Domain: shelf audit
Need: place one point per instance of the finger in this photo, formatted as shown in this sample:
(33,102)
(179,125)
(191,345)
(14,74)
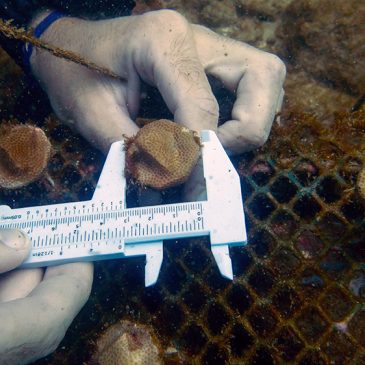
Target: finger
(14,249)
(253,114)
(176,71)
(104,110)
(256,77)
(19,283)
(35,325)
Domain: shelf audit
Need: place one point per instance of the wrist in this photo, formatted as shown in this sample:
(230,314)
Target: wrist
(38,17)
(41,24)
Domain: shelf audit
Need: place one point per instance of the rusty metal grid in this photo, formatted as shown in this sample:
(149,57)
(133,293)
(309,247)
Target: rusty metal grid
(298,294)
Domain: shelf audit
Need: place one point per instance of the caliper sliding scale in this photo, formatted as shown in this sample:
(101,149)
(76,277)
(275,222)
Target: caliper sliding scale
(103,228)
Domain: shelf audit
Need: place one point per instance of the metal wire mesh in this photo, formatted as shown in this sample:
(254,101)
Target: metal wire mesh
(298,294)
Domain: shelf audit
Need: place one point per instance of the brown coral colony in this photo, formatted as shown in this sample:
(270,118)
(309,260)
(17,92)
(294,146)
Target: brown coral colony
(162,154)
(24,153)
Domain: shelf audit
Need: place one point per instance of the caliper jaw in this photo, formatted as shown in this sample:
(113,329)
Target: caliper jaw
(112,186)
(223,196)
(154,258)
(223,260)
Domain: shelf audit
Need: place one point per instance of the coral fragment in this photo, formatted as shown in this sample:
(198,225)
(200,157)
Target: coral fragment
(126,343)
(24,153)
(162,154)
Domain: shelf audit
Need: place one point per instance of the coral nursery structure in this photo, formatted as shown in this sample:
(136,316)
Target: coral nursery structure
(298,296)
(300,281)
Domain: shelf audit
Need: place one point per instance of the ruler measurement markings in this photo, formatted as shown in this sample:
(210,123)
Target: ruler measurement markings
(107,221)
(69,217)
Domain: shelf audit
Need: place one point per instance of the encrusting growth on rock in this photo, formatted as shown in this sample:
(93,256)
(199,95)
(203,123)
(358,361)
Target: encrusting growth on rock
(361,183)
(24,153)
(162,154)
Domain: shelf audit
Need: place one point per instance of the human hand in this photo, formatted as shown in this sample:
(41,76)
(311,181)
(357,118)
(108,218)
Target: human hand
(162,49)
(36,306)
(254,76)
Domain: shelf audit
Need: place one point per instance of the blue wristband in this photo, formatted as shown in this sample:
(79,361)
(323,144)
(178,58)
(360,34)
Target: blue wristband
(38,31)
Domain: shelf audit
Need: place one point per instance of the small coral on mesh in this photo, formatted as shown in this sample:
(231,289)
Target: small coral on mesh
(162,154)
(126,343)
(24,153)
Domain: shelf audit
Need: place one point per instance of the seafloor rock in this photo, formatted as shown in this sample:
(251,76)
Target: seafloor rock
(305,94)
(218,13)
(225,18)
(126,343)
(8,68)
(361,183)
(24,153)
(264,9)
(162,154)
(228,19)
(191,9)
(147,5)
(10,85)
(326,38)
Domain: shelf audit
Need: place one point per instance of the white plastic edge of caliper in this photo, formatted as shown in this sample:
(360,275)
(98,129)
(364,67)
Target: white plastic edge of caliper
(223,193)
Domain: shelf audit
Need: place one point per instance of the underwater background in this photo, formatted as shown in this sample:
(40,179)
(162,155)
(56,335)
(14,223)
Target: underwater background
(299,291)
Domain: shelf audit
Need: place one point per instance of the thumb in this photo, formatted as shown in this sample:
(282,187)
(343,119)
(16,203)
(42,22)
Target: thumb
(14,249)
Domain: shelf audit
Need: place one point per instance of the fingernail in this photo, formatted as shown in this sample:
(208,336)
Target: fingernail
(14,239)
